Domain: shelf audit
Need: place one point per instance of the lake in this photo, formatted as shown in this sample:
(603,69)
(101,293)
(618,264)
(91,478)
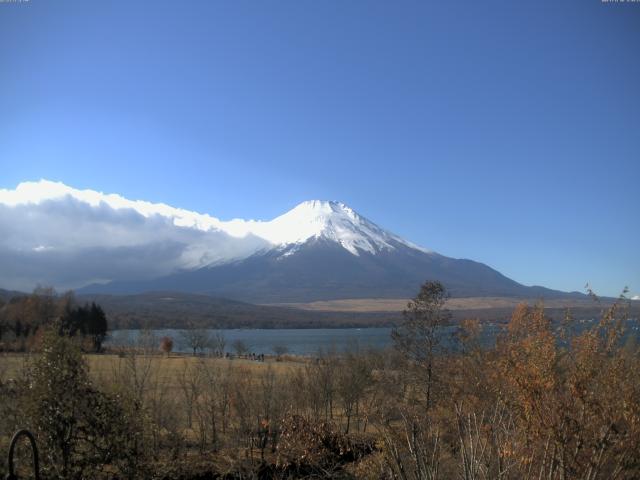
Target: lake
(298,341)
(311,341)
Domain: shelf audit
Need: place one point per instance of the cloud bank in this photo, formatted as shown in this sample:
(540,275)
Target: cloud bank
(52,234)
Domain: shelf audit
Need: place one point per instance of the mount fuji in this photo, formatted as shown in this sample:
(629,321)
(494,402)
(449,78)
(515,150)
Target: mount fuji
(323,250)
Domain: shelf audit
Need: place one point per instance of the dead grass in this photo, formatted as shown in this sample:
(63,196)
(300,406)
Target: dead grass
(372,305)
(103,367)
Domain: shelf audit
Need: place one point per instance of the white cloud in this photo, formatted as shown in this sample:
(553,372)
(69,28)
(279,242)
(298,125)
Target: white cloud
(635,297)
(55,235)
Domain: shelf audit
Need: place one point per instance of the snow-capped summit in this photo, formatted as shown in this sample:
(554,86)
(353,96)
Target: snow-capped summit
(332,221)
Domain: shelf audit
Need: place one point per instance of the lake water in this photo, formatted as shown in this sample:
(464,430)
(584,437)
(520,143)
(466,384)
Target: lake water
(298,341)
(311,341)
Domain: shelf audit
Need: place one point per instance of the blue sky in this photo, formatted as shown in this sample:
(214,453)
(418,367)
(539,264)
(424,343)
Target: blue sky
(506,132)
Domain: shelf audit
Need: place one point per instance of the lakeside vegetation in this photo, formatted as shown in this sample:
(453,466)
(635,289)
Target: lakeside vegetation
(529,408)
(24,319)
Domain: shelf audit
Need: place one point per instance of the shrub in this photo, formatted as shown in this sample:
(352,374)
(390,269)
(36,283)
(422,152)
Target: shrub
(80,429)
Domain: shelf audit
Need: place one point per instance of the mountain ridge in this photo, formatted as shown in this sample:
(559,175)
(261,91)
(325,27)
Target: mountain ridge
(321,270)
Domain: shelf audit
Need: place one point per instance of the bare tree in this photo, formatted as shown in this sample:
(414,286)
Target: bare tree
(280,350)
(147,342)
(161,405)
(412,449)
(353,378)
(240,346)
(209,400)
(196,339)
(417,338)
(321,376)
(218,343)
(189,381)
(271,406)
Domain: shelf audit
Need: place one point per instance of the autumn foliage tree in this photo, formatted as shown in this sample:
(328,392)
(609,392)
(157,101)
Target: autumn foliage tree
(576,405)
(166,345)
(23,318)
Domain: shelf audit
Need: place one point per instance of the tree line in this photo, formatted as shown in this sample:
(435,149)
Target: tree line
(25,318)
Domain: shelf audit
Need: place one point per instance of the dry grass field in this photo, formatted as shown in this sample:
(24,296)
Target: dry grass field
(104,367)
(363,305)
